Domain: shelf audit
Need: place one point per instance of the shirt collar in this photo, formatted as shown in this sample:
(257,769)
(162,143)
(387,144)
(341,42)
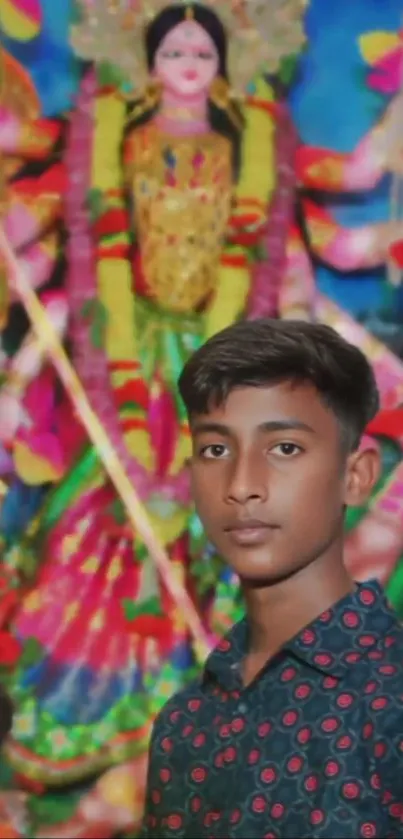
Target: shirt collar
(334,642)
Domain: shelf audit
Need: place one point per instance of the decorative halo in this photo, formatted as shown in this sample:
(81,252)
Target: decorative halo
(18,93)
(261,33)
(17,90)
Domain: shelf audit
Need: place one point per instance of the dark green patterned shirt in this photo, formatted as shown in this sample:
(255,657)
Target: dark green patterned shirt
(312,748)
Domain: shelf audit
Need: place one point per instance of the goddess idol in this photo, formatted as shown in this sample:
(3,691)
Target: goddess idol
(170,172)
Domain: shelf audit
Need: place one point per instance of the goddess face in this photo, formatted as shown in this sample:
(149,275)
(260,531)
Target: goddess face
(187,60)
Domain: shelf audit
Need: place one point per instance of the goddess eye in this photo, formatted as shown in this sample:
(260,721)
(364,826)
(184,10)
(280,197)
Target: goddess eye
(286,449)
(205,56)
(215,451)
(172,54)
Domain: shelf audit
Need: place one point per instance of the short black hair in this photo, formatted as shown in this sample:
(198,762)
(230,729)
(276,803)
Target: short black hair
(264,352)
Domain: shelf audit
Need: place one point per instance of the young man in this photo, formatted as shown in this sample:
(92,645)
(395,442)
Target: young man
(295,727)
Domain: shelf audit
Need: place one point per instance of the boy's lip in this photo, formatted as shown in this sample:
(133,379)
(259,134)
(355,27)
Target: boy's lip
(249,533)
(246,524)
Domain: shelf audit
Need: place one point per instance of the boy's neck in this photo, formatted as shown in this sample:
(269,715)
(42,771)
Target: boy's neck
(276,613)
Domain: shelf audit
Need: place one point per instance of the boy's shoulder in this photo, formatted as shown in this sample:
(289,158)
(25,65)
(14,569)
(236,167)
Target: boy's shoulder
(189,699)
(184,702)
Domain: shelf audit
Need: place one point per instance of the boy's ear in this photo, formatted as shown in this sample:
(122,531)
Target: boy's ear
(362,474)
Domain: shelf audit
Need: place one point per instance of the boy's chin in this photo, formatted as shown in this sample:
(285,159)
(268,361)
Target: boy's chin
(260,581)
(257,572)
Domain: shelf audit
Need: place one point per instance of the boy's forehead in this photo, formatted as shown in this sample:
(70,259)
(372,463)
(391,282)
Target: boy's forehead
(278,402)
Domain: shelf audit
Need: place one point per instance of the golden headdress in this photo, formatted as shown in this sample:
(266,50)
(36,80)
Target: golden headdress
(261,33)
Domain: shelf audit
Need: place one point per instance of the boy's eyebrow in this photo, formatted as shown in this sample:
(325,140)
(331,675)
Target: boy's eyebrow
(210,428)
(271,425)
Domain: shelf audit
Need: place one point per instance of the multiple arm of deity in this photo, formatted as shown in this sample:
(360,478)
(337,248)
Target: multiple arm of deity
(364,246)
(33,204)
(33,209)
(342,248)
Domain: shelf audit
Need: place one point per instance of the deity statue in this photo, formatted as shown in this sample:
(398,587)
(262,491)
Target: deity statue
(165,208)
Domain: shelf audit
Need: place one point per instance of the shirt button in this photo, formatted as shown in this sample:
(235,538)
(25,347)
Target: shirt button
(242,708)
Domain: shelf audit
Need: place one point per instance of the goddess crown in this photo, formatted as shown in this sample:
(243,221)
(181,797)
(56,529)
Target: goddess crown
(261,33)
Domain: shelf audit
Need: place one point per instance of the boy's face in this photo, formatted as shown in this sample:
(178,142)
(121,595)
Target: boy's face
(271,480)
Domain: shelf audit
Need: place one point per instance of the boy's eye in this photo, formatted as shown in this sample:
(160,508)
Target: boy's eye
(214,451)
(286,449)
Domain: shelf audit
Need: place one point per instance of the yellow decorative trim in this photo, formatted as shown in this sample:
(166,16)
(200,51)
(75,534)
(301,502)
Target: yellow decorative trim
(115,280)
(257,178)
(233,283)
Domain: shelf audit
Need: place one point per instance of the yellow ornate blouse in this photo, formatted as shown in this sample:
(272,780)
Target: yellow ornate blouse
(182,188)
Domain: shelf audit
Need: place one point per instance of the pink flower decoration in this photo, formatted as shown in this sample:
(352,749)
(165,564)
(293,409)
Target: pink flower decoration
(387,74)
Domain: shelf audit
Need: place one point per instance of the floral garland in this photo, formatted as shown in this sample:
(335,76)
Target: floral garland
(268,274)
(91,362)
